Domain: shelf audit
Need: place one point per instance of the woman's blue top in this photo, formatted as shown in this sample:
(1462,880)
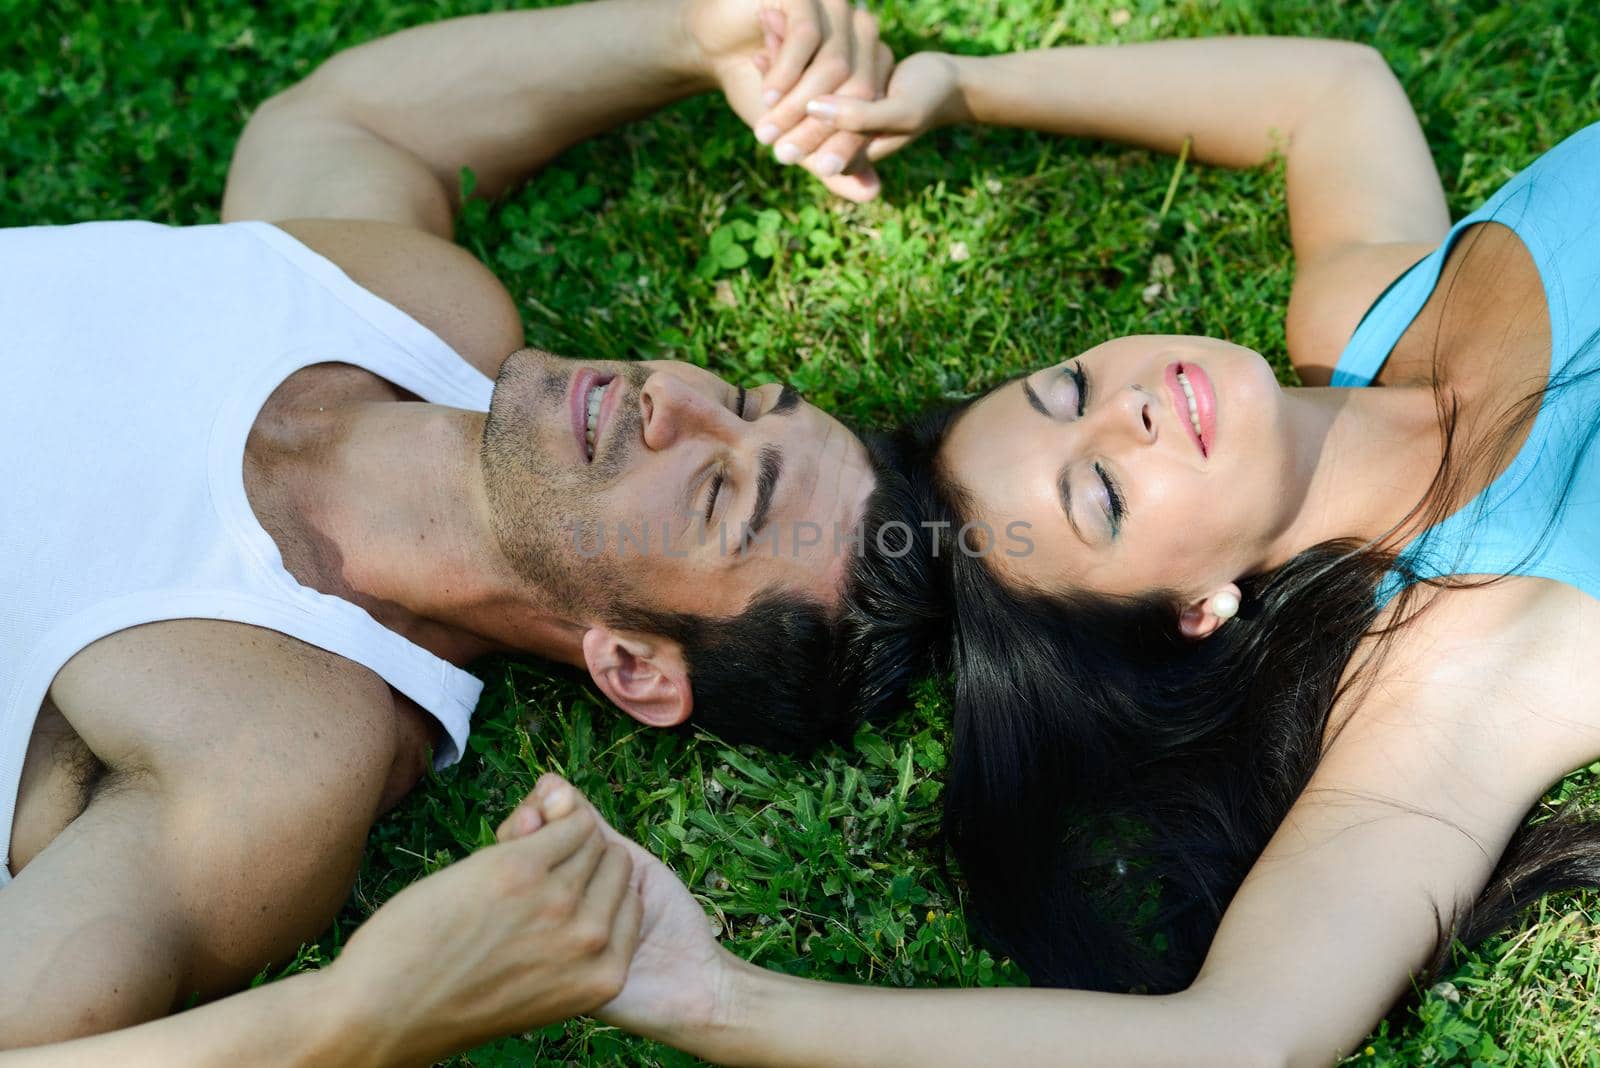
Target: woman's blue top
(1507,529)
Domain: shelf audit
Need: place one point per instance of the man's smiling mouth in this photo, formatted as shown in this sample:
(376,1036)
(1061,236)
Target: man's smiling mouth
(588,411)
(595,393)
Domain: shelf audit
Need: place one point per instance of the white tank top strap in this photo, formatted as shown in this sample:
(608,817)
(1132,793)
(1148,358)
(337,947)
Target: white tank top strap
(421,363)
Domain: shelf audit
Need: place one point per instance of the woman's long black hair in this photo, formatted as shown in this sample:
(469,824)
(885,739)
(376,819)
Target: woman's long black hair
(1112,782)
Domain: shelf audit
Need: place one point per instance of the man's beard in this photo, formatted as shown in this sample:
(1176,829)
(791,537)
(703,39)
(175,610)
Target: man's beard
(546,509)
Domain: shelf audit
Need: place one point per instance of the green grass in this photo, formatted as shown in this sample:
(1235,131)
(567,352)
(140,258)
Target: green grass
(991,251)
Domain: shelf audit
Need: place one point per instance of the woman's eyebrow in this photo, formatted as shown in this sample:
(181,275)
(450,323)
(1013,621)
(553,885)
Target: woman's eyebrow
(1033,399)
(1064,490)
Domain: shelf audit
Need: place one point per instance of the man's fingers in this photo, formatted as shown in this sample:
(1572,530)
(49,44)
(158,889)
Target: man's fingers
(553,844)
(859,186)
(835,68)
(556,797)
(579,867)
(801,34)
(841,151)
(802,141)
(836,154)
(523,821)
(608,885)
(883,147)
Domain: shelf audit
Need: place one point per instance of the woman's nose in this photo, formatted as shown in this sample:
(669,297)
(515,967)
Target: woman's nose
(1130,415)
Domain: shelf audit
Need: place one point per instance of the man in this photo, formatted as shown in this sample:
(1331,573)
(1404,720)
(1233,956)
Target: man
(270,517)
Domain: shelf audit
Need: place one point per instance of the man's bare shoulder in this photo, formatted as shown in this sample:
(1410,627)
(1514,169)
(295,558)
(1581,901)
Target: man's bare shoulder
(185,697)
(438,283)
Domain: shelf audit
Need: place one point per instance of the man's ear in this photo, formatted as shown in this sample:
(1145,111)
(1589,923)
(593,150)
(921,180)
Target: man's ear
(642,674)
(1200,619)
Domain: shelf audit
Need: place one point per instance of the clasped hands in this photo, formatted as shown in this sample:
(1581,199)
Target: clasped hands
(815,83)
(562,916)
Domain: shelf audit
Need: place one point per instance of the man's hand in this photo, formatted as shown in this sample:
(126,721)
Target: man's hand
(679,979)
(518,935)
(771,56)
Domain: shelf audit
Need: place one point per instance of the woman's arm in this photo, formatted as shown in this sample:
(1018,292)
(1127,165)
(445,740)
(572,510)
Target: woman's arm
(1321,940)
(1365,200)
(1401,824)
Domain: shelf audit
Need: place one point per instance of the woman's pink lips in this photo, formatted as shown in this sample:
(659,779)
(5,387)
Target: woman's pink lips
(1205,402)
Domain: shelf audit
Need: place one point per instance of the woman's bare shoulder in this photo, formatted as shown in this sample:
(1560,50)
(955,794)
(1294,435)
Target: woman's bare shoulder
(1332,293)
(1492,678)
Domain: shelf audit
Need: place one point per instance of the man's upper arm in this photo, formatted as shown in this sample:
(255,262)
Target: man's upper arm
(243,772)
(303,155)
(436,282)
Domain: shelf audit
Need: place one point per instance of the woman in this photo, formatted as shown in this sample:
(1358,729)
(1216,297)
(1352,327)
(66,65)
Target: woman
(1258,651)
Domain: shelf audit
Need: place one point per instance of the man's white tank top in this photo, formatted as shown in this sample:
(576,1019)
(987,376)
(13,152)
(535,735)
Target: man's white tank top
(136,358)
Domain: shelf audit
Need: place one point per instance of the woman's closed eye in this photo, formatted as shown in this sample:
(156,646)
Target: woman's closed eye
(1111,500)
(1061,400)
(1080,382)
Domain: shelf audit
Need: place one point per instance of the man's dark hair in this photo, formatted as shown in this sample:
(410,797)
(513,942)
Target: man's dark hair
(789,674)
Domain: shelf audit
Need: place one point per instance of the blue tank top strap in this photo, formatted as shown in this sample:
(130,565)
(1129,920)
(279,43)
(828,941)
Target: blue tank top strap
(1541,516)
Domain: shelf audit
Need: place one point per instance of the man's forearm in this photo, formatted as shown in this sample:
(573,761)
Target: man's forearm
(301,1020)
(503,93)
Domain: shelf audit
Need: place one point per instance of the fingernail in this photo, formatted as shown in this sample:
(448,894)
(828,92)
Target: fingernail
(559,799)
(829,165)
(767,133)
(821,109)
(787,153)
(771,97)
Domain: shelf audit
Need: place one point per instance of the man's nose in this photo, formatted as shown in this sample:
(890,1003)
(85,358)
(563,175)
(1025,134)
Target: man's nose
(671,409)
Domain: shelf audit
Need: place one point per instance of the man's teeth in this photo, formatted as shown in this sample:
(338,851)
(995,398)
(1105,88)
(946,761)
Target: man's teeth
(595,393)
(1194,408)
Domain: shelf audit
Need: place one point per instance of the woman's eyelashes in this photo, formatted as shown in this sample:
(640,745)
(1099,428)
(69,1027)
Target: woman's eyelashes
(1080,382)
(1114,504)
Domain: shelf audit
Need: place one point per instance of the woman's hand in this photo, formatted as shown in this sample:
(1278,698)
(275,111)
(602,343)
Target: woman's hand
(770,56)
(521,934)
(924,92)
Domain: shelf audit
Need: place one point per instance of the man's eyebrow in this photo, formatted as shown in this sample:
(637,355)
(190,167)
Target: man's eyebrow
(770,466)
(1033,399)
(788,400)
(1064,489)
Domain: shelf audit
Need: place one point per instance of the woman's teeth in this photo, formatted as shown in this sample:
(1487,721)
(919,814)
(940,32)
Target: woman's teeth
(595,393)
(1194,408)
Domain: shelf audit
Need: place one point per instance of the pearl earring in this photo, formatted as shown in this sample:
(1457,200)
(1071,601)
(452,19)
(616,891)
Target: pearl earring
(1225,606)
